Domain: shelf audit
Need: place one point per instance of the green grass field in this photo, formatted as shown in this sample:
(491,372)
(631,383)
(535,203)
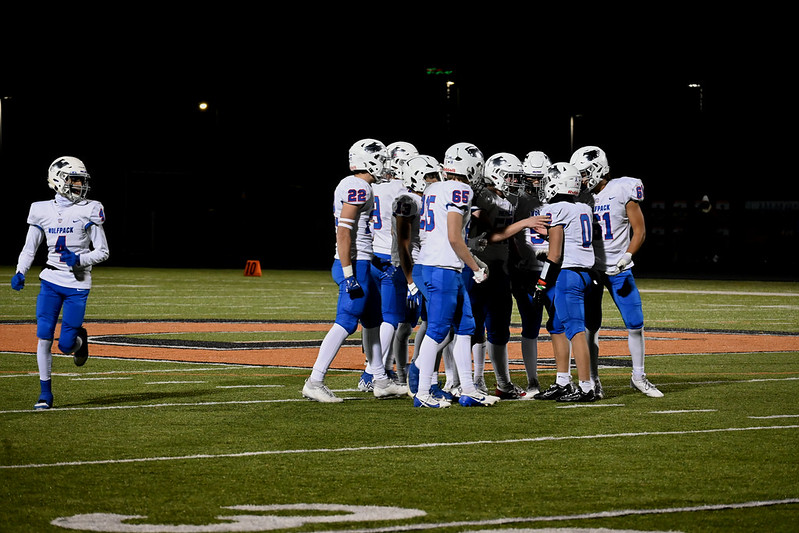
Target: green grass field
(161,446)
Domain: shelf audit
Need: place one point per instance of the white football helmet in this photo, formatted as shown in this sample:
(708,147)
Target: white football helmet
(368,155)
(592,163)
(561,178)
(535,164)
(465,159)
(417,169)
(62,174)
(397,153)
(503,170)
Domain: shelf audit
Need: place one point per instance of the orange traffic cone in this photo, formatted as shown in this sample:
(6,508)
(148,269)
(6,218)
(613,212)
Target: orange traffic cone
(252,268)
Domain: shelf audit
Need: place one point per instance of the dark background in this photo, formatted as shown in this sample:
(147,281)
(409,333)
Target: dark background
(253,177)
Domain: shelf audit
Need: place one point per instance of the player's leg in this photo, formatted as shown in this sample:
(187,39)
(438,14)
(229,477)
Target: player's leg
(48,307)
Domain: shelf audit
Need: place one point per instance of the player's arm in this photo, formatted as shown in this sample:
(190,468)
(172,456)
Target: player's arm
(456,240)
(33,239)
(404,246)
(347,220)
(537,223)
(100,250)
(638,226)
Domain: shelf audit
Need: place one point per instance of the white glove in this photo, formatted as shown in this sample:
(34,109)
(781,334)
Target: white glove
(480,275)
(623,263)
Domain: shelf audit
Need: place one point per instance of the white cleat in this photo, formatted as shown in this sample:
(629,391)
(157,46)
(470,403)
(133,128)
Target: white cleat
(388,388)
(318,391)
(645,386)
(477,398)
(430,401)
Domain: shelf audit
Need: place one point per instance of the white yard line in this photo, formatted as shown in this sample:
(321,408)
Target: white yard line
(395,447)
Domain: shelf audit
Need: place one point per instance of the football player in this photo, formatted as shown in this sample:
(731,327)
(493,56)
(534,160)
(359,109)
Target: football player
(417,173)
(567,273)
(446,209)
(492,302)
(528,252)
(72,227)
(621,231)
(385,267)
(359,296)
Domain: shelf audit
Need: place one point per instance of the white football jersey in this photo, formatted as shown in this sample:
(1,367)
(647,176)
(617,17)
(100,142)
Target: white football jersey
(407,205)
(610,212)
(577,221)
(383,216)
(497,212)
(441,198)
(529,242)
(352,190)
(77,228)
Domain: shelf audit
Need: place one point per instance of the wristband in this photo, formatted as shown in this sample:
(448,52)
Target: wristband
(347,271)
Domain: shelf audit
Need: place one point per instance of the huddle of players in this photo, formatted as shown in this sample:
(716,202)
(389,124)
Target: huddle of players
(449,247)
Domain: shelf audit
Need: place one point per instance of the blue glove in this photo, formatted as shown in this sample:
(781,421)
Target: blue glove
(18,281)
(414,297)
(352,287)
(389,272)
(69,257)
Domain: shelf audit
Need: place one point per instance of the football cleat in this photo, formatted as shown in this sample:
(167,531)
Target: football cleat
(388,388)
(645,386)
(366,383)
(438,392)
(577,395)
(480,384)
(533,388)
(554,392)
(413,378)
(43,403)
(598,390)
(477,398)
(427,400)
(318,391)
(515,393)
(81,354)
(452,390)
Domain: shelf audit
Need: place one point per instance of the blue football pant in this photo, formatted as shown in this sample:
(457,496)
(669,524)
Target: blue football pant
(51,300)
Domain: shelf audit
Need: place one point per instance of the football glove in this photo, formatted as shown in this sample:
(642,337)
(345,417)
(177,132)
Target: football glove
(479,243)
(69,257)
(622,264)
(18,281)
(352,287)
(481,274)
(414,297)
(389,272)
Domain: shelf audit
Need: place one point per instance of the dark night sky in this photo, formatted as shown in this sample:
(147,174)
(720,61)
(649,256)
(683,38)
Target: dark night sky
(255,174)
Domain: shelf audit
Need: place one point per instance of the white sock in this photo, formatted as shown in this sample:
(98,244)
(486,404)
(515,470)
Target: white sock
(563,378)
(374,353)
(450,365)
(426,362)
(44,358)
(417,341)
(530,358)
(328,350)
(586,386)
(387,332)
(498,353)
(479,356)
(462,354)
(635,341)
